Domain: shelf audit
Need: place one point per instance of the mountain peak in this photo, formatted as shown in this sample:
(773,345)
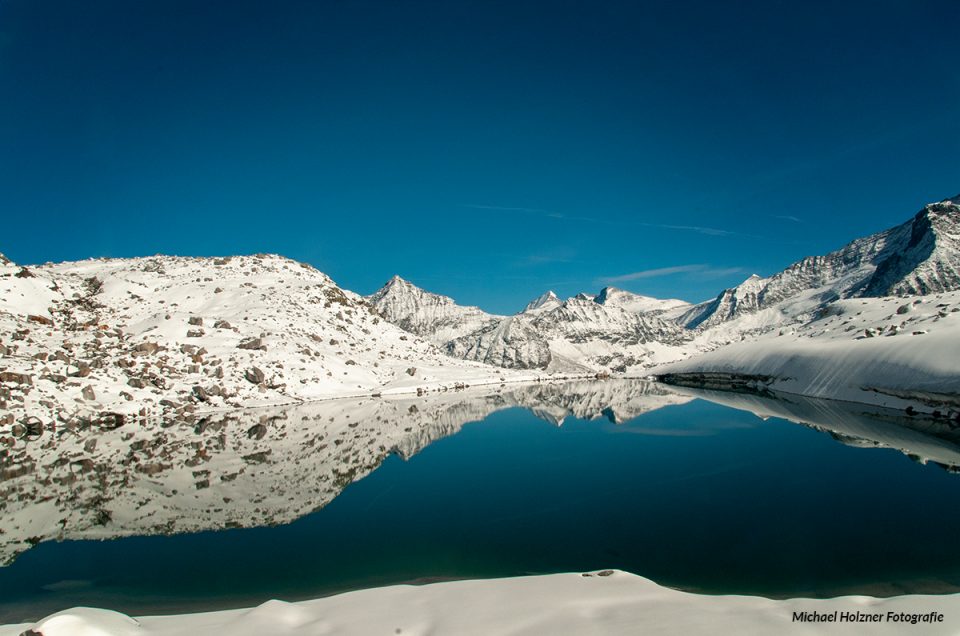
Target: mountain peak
(635,303)
(605,294)
(549,298)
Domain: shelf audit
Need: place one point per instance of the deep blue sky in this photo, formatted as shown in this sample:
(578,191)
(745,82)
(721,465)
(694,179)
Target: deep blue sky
(485,150)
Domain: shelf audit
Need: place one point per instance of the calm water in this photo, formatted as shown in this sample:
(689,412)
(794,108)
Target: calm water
(695,495)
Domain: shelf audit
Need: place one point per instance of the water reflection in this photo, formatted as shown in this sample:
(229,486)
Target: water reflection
(271,466)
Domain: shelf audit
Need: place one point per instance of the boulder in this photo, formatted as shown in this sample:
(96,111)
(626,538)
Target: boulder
(17,378)
(43,320)
(254,375)
(252,343)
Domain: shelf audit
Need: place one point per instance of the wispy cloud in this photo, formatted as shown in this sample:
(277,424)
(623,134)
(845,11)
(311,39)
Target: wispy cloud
(553,214)
(700,271)
(786,217)
(709,231)
(653,273)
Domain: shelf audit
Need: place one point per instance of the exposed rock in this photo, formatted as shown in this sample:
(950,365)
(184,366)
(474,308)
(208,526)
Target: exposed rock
(254,375)
(17,378)
(200,393)
(252,343)
(43,320)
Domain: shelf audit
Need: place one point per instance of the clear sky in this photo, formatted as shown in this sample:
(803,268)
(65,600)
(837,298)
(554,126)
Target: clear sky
(484,150)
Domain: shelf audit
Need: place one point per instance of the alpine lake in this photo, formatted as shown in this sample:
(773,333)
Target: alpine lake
(712,492)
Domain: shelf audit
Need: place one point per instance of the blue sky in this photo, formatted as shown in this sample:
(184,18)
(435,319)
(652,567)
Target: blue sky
(484,150)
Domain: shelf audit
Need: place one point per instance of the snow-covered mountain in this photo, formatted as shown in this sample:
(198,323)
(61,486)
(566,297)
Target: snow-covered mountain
(102,340)
(617,330)
(432,316)
(612,331)
(574,335)
(613,297)
(544,302)
(921,256)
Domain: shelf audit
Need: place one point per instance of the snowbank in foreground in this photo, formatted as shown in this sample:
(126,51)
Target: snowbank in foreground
(880,351)
(619,603)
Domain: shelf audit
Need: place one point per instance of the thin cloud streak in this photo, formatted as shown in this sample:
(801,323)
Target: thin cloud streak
(551,214)
(653,273)
(700,271)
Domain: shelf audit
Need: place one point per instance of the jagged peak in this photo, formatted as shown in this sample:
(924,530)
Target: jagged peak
(4,260)
(541,300)
(397,285)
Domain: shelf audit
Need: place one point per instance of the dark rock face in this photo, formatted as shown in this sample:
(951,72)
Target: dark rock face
(929,262)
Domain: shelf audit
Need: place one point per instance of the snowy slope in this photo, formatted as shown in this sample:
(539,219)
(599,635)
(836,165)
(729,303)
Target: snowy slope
(572,604)
(636,303)
(165,335)
(890,351)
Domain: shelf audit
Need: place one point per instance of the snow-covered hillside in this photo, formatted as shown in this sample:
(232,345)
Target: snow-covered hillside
(896,352)
(613,297)
(571,604)
(103,340)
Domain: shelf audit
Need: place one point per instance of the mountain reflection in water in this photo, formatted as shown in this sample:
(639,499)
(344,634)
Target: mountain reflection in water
(271,466)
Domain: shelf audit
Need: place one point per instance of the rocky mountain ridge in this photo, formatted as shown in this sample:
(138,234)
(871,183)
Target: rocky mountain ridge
(919,257)
(619,331)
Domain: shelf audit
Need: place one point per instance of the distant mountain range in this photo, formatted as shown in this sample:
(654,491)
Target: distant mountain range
(617,330)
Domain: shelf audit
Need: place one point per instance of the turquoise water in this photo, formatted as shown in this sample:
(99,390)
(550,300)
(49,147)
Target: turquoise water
(697,496)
